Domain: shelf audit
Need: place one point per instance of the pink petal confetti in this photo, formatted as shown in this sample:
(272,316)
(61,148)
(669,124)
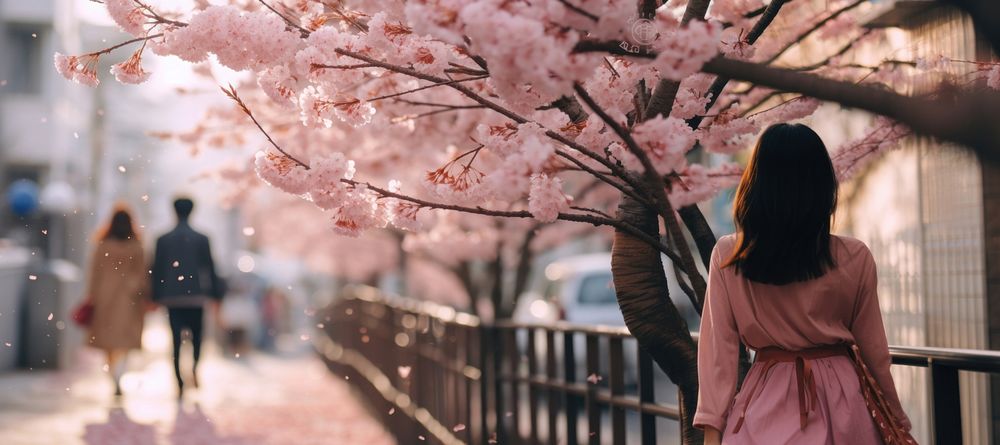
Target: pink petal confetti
(404,371)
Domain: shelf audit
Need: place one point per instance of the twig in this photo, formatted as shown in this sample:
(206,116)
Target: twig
(125,43)
(579,10)
(231,92)
(304,32)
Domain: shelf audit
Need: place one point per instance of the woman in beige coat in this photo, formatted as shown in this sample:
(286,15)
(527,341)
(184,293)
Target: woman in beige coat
(117,288)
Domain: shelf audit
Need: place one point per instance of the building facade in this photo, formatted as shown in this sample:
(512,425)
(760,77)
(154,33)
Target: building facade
(927,211)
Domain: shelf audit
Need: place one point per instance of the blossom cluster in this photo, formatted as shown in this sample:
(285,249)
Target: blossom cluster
(128,15)
(469,98)
(240,40)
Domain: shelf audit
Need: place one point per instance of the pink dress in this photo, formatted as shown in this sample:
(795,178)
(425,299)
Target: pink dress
(841,306)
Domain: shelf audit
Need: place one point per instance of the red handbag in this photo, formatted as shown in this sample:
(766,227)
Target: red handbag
(888,425)
(83,314)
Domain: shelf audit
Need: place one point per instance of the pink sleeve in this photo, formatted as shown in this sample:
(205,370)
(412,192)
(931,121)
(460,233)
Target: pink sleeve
(869,334)
(718,353)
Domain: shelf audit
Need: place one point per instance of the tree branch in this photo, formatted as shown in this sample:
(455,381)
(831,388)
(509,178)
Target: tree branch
(968,119)
(665,92)
(720,82)
(665,209)
(231,93)
(616,169)
(815,28)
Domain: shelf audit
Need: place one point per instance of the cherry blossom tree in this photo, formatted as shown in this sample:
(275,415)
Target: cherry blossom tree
(404,114)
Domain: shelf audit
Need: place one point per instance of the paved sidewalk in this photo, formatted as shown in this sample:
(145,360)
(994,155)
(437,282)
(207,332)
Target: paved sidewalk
(254,400)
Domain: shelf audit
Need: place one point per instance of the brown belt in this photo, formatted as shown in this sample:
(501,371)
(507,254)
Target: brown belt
(805,382)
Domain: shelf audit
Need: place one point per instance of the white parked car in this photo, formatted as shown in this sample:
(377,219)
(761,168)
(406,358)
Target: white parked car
(580,290)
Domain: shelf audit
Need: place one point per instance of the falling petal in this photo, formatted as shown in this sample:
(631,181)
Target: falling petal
(404,371)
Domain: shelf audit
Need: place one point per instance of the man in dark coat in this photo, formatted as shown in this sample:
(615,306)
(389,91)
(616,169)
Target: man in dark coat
(184,281)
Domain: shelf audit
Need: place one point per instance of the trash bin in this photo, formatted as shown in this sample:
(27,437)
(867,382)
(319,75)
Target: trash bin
(13,270)
(47,291)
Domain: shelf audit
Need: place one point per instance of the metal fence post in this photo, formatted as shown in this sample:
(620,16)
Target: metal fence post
(617,384)
(533,398)
(569,378)
(484,386)
(592,405)
(497,357)
(551,374)
(647,422)
(947,405)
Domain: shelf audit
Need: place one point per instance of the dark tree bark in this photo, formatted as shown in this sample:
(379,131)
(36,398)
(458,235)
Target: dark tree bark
(651,317)
(523,269)
(464,273)
(500,310)
(698,227)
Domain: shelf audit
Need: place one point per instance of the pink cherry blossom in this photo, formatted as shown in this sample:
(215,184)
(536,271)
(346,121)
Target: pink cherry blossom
(666,140)
(79,69)
(727,133)
(993,77)
(328,171)
(280,85)
(689,103)
(358,213)
(547,199)
(683,51)
(240,40)
(320,108)
(130,71)
(428,97)
(791,110)
(127,15)
(733,11)
(883,135)
(282,172)
(530,63)
(699,183)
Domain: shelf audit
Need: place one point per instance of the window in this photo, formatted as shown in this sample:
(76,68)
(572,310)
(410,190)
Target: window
(597,289)
(23,59)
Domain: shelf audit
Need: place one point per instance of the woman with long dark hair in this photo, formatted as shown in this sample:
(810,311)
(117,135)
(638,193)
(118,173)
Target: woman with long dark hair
(117,287)
(805,300)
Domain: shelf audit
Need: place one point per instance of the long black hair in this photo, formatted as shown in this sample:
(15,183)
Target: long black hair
(784,206)
(121,226)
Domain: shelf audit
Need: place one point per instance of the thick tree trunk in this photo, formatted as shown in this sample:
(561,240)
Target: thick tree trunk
(649,314)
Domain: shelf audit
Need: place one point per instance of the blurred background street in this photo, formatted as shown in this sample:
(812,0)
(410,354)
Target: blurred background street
(251,399)
(472,326)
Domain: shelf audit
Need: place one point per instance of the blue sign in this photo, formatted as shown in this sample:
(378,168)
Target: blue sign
(22,196)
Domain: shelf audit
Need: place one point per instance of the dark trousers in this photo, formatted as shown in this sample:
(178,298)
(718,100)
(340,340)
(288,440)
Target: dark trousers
(190,319)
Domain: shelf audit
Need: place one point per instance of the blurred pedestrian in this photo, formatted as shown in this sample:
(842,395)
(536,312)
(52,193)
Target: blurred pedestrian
(117,289)
(185,282)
